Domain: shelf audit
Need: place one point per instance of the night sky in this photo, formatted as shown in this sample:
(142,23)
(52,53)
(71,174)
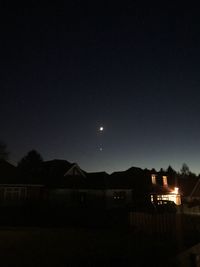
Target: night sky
(68,69)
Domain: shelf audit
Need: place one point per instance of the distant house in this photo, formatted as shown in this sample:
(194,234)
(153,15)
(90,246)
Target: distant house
(195,192)
(190,188)
(162,191)
(15,190)
(136,183)
(69,186)
(191,195)
(58,183)
(72,187)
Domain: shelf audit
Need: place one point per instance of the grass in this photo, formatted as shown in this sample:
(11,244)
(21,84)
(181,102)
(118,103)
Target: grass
(78,247)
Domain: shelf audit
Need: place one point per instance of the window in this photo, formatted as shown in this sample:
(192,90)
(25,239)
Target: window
(119,195)
(14,193)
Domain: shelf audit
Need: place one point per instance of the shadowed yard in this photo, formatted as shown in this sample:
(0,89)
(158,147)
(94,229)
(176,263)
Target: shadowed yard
(78,247)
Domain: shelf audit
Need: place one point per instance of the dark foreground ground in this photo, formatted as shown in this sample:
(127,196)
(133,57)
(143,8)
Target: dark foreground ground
(80,247)
(85,238)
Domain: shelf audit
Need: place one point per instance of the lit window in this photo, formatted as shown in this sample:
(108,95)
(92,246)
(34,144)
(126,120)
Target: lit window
(153,178)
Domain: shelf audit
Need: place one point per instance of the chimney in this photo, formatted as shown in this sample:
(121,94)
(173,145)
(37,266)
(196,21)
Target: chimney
(165,183)
(153,179)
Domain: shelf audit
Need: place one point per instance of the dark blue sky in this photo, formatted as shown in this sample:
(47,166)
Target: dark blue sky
(67,69)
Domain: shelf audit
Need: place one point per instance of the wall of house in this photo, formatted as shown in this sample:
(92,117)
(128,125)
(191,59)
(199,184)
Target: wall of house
(63,197)
(90,198)
(76,197)
(118,197)
(176,198)
(13,195)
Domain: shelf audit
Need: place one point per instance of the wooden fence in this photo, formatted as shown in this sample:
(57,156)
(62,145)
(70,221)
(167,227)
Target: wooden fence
(158,225)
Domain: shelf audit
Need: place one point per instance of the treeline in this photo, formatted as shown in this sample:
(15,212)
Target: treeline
(33,158)
(184,172)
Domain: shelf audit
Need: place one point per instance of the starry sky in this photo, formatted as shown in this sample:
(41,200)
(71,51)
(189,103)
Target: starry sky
(69,68)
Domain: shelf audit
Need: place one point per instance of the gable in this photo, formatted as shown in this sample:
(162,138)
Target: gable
(75,171)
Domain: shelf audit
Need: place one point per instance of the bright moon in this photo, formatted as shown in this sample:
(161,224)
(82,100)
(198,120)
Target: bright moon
(101,129)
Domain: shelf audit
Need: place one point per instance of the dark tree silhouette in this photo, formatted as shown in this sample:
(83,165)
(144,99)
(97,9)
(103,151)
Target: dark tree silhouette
(185,170)
(171,172)
(162,171)
(153,171)
(30,162)
(3,151)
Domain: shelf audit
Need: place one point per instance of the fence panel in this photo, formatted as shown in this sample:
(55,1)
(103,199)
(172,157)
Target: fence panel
(165,224)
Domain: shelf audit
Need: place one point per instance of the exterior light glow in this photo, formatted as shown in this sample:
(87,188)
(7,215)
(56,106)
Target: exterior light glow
(171,196)
(175,190)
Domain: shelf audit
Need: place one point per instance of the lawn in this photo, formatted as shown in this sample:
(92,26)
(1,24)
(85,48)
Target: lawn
(79,247)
